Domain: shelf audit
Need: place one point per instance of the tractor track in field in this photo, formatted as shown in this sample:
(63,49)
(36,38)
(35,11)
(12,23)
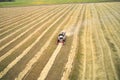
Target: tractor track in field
(17,37)
(113,74)
(39,53)
(37,40)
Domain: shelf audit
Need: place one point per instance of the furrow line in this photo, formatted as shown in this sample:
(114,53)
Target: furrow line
(37,55)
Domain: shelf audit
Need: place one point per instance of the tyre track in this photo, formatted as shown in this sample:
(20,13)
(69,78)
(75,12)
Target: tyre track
(37,56)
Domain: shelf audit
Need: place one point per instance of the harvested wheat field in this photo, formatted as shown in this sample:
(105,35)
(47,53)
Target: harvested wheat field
(29,49)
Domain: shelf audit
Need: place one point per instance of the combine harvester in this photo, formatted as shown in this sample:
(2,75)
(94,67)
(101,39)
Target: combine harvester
(61,38)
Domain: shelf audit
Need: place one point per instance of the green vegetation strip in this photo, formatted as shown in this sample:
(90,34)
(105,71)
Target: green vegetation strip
(38,2)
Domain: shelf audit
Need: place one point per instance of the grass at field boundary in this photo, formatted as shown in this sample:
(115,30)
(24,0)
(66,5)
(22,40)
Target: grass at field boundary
(23,4)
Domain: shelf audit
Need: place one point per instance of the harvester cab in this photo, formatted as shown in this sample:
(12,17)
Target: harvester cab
(61,38)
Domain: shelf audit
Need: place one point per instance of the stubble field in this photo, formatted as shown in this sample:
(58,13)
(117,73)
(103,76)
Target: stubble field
(28,36)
